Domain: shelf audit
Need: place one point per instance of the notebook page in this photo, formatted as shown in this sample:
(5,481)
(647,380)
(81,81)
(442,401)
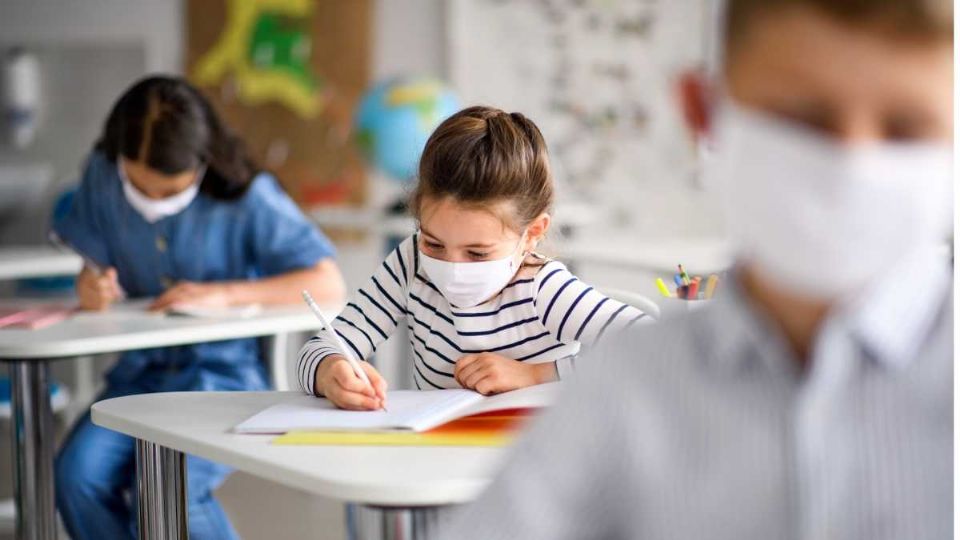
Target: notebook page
(406,410)
(531,397)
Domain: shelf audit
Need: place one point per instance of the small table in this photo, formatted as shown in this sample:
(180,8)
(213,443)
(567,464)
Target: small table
(405,487)
(22,262)
(124,327)
(660,255)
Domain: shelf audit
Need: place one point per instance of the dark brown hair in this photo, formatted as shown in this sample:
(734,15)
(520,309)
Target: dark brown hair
(168,125)
(925,20)
(481,156)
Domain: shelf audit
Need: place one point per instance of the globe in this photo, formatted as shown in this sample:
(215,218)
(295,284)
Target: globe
(396,117)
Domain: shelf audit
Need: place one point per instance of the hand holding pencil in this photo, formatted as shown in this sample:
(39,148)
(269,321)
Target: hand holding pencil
(97,290)
(338,382)
(344,379)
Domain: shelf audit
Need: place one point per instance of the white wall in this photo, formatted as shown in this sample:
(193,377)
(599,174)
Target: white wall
(88,51)
(154,23)
(409,38)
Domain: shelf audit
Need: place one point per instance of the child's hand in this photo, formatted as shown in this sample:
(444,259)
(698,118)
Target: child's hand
(95,291)
(193,294)
(490,373)
(337,382)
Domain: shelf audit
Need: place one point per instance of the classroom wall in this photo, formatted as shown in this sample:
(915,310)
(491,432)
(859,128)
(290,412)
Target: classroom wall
(88,49)
(410,38)
(600,80)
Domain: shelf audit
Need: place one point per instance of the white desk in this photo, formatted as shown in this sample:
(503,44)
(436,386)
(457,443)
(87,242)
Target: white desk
(408,484)
(129,326)
(21,262)
(124,327)
(702,255)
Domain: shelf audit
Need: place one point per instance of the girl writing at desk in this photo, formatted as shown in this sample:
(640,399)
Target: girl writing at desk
(483,309)
(171,207)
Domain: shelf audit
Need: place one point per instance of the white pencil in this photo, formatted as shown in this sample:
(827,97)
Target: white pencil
(332,334)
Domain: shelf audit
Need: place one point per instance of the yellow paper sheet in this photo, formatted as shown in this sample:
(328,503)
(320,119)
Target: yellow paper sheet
(325,438)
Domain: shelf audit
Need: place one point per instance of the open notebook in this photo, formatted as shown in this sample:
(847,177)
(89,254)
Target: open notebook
(409,410)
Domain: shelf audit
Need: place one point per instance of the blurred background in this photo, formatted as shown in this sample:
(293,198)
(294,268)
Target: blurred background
(337,97)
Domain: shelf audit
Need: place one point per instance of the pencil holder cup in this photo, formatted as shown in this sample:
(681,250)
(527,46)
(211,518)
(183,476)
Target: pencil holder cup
(672,307)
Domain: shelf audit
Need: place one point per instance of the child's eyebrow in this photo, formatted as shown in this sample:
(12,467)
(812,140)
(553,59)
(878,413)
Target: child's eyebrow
(427,233)
(433,238)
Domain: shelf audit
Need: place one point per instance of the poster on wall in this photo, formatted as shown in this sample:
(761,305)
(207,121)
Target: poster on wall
(597,77)
(287,76)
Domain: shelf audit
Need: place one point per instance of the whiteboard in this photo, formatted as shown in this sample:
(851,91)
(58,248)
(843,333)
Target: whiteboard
(597,76)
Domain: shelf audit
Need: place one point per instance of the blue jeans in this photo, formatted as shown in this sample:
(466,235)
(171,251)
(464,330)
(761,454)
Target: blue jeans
(96,477)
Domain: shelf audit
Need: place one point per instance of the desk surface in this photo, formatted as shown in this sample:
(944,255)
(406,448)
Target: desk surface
(21,262)
(129,326)
(699,255)
(199,423)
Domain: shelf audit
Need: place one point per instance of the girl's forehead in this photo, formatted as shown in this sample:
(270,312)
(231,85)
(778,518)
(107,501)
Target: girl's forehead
(448,220)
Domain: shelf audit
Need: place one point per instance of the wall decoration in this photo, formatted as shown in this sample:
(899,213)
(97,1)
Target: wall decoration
(287,75)
(595,75)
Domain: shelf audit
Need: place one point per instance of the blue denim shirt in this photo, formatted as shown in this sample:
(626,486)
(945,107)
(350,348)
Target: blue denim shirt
(261,234)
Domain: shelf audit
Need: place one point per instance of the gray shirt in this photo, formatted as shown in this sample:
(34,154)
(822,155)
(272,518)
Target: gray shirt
(706,427)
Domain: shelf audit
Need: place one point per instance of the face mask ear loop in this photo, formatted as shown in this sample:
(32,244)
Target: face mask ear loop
(523,253)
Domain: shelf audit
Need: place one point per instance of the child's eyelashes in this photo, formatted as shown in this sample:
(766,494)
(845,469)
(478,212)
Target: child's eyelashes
(434,247)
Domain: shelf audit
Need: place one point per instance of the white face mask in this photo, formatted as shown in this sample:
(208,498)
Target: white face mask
(818,218)
(154,210)
(467,285)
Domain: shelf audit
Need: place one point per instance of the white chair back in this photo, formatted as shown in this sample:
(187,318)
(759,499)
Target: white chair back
(637,300)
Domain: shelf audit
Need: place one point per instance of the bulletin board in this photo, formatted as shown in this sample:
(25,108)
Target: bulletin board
(287,75)
(597,76)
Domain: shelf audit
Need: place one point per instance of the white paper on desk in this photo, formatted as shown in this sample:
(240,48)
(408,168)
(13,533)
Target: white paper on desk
(409,410)
(201,312)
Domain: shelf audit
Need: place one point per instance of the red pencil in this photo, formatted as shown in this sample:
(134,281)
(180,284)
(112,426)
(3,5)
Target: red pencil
(694,287)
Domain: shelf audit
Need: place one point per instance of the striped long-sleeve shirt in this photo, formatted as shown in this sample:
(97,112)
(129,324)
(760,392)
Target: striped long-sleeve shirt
(543,318)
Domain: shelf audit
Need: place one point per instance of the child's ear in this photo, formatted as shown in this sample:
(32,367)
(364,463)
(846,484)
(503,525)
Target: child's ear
(536,231)
(693,91)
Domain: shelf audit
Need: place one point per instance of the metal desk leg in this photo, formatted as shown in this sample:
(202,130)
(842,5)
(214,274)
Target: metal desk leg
(162,492)
(393,523)
(277,358)
(32,429)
